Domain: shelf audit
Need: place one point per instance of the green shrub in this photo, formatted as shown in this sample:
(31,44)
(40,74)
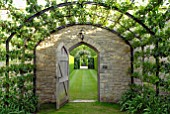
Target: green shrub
(71,64)
(76,63)
(18,105)
(91,63)
(131,101)
(158,105)
(143,100)
(96,63)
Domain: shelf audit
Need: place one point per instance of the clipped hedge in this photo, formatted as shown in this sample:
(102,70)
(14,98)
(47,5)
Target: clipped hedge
(76,63)
(71,63)
(96,63)
(91,63)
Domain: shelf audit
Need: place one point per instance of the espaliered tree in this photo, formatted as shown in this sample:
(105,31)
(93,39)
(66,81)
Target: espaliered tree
(144,27)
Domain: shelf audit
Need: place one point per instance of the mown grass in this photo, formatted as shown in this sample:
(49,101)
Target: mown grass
(83,84)
(82,108)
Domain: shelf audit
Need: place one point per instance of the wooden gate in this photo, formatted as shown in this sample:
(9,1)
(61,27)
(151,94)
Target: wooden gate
(62,83)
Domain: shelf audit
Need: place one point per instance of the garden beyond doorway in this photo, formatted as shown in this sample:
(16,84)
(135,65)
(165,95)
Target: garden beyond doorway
(83,79)
(113,58)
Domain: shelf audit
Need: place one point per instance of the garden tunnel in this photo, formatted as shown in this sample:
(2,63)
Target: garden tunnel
(130,25)
(84,78)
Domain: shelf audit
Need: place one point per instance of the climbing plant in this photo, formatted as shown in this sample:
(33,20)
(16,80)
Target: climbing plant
(144,27)
(76,52)
(84,55)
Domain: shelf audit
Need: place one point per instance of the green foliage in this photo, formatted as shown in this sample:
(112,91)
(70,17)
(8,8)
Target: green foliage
(84,55)
(96,63)
(76,63)
(71,64)
(17,105)
(142,100)
(145,27)
(91,63)
(76,52)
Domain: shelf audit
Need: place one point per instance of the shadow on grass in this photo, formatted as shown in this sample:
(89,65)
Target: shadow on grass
(82,108)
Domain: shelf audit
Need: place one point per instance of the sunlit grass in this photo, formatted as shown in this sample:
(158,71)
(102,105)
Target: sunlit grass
(83,84)
(82,108)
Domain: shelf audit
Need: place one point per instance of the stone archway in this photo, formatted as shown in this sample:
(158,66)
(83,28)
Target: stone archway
(114,56)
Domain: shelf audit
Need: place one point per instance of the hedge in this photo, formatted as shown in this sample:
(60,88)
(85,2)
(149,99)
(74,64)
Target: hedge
(71,63)
(96,63)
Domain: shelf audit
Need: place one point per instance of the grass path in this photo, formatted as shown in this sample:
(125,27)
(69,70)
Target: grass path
(82,108)
(83,84)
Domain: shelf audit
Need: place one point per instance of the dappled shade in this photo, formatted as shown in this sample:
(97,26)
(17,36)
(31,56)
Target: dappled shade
(144,27)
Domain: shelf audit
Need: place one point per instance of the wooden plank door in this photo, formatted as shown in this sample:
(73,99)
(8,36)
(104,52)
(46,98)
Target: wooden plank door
(62,83)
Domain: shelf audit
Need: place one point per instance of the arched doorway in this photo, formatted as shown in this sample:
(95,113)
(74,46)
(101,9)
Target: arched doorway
(96,82)
(114,56)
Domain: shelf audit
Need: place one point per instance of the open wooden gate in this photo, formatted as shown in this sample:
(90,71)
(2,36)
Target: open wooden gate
(62,83)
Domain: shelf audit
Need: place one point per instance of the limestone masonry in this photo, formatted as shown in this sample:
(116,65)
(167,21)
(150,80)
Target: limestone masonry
(114,62)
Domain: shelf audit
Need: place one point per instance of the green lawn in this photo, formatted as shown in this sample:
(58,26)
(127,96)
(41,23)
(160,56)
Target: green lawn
(83,84)
(82,108)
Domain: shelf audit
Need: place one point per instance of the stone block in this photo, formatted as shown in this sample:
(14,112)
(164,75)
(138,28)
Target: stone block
(114,61)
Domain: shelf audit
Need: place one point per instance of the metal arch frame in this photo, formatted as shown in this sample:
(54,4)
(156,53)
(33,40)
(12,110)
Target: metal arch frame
(72,3)
(75,2)
(118,23)
(88,23)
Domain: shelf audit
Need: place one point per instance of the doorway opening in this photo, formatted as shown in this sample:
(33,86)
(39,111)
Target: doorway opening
(83,73)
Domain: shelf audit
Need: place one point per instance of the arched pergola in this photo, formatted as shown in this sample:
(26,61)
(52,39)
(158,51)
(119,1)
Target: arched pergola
(37,24)
(116,25)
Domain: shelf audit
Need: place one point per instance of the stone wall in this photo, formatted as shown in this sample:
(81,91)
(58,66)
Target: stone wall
(114,57)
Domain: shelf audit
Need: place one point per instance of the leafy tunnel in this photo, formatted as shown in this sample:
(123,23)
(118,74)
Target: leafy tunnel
(37,22)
